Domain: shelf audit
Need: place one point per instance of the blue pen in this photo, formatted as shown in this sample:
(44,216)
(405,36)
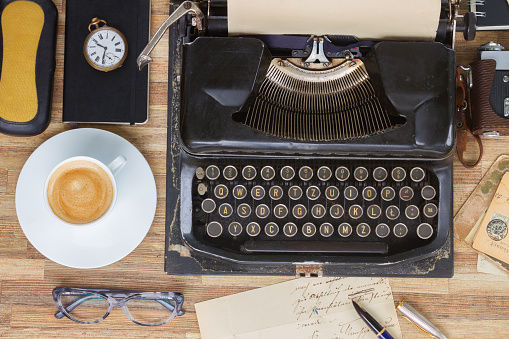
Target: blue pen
(381,332)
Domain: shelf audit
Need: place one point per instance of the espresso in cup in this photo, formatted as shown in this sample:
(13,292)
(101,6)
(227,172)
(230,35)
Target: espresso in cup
(80,191)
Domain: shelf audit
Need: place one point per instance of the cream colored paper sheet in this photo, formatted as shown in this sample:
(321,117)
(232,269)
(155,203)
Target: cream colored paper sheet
(313,308)
(365,19)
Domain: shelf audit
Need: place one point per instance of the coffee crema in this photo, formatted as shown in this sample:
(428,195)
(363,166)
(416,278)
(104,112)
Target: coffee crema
(80,192)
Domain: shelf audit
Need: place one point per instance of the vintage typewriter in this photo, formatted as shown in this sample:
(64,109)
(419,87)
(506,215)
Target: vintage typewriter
(308,155)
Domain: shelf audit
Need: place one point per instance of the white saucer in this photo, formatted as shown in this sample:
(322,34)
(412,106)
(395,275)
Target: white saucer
(114,236)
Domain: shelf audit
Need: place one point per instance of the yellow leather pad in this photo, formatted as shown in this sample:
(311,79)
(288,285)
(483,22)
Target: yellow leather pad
(22,23)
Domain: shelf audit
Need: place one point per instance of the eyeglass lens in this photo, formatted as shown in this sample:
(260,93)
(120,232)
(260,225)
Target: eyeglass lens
(87,307)
(148,311)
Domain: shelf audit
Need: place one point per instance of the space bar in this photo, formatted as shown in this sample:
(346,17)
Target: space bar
(262,246)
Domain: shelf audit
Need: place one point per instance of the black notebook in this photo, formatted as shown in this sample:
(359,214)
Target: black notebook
(118,96)
(491,14)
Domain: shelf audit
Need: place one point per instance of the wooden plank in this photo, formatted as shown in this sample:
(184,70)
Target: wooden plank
(19,269)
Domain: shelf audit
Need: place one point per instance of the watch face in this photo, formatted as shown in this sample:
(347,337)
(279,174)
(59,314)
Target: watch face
(105,49)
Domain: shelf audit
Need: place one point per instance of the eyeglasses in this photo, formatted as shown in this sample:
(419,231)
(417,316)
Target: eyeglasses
(90,305)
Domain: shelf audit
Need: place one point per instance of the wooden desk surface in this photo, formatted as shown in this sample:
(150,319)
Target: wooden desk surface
(469,305)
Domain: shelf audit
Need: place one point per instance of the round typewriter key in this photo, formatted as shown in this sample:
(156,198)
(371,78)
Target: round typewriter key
(324,173)
(406,193)
(417,174)
(200,173)
(309,229)
(313,192)
(208,205)
(326,229)
(392,212)
(212,172)
(424,231)
(363,230)
(412,212)
(332,192)
(342,173)
(295,192)
(230,172)
(202,188)
(290,229)
(221,191)
(268,173)
(318,211)
(214,229)
(235,228)
(225,210)
(244,210)
(360,173)
(239,192)
(262,211)
(400,230)
(253,229)
(258,192)
(355,211)
(374,211)
(430,210)
(287,173)
(299,211)
(369,193)
(305,173)
(345,229)
(398,174)
(382,230)
(336,211)
(428,192)
(380,174)
(271,229)
(351,193)
(280,211)
(249,172)
(388,193)
(275,192)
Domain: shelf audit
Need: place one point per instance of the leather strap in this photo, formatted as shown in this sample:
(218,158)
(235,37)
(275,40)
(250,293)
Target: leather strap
(463,119)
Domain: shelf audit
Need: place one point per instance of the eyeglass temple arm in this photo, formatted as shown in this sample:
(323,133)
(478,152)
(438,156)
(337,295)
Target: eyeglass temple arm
(60,314)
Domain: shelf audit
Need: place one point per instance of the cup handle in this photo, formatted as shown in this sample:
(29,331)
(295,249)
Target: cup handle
(117,164)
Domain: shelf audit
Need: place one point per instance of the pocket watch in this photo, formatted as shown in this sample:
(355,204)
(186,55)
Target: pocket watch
(105,47)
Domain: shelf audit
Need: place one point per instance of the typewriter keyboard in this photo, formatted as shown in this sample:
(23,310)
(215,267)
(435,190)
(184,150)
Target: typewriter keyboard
(305,207)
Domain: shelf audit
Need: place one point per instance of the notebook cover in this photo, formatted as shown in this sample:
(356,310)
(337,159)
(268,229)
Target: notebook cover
(118,96)
(495,15)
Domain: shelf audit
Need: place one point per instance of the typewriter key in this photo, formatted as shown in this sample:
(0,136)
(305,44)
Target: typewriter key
(360,173)
(424,231)
(239,192)
(382,230)
(388,193)
(208,205)
(326,229)
(200,173)
(336,211)
(369,193)
(355,211)
(249,172)
(271,229)
(392,212)
(380,174)
(345,230)
(225,210)
(244,210)
(287,173)
(324,173)
(412,212)
(363,230)
(309,229)
(253,229)
(342,173)
(290,229)
(230,172)
(299,211)
(235,228)
(351,193)
(258,192)
(212,172)
(262,211)
(400,230)
(374,211)
(318,211)
(214,229)
(417,174)
(406,193)
(305,173)
(275,192)
(268,173)
(313,192)
(202,188)
(221,191)
(430,210)
(428,192)
(295,192)
(332,192)
(280,211)
(398,174)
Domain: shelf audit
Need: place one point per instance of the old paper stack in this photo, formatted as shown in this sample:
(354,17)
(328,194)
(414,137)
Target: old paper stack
(302,308)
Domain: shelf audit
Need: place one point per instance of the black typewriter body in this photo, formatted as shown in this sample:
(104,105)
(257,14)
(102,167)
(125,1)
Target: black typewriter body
(310,198)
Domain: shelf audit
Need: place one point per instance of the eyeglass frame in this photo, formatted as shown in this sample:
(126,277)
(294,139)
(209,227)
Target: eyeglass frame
(116,298)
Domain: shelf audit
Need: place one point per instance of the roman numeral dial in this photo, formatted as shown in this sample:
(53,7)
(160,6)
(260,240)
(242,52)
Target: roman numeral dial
(105,48)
